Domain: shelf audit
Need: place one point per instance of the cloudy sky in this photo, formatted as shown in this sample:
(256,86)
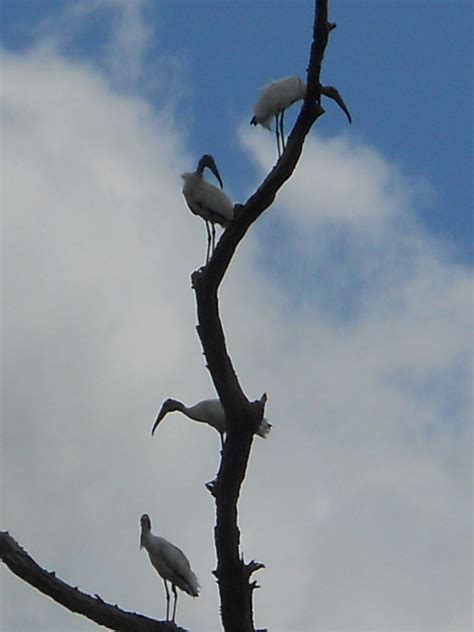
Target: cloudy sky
(350,303)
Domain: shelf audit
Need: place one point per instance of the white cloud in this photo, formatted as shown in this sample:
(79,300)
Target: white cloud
(127,43)
(358,502)
(340,181)
(131,42)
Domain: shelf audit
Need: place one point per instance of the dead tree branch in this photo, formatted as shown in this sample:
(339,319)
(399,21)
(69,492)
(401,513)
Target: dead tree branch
(243,416)
(94,608)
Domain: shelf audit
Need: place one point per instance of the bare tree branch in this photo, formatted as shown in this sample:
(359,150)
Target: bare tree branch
(242,416)
(94,608)
(311,110)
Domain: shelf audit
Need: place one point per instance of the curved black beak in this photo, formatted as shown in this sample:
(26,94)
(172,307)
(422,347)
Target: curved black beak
(161,414)
(208,161)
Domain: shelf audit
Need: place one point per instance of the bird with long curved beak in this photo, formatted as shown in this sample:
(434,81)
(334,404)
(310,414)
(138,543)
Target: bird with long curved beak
(276,97)
(209,411)
(207,201)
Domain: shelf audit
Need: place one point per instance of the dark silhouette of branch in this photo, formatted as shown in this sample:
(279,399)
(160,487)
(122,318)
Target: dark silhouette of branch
(242,416)
(94,608)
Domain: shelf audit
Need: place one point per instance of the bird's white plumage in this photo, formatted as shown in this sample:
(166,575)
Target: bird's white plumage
(170,563)
(206,200)
(276,97)
(208,411)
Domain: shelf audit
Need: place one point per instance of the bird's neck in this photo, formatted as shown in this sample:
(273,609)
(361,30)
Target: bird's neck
(144,537)
(193,412)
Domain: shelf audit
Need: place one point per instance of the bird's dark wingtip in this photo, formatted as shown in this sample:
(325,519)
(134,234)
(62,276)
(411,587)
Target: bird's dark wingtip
(253,121)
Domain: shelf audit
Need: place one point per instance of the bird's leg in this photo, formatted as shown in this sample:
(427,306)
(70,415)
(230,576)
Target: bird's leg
(208,250)
(175,593)
(282,132)
(277,130)
(167,600)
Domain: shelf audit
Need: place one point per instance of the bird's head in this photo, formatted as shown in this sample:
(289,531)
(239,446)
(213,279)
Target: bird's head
(145,523)
(168,406)
(208,161)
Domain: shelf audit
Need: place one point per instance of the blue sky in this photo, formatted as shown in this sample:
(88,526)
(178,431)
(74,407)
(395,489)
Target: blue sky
(350,302)
(405,69)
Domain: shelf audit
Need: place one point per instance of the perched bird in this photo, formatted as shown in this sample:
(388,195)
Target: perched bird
(209,411)
(207,201)
(171,564)
(273,100)
(278,96)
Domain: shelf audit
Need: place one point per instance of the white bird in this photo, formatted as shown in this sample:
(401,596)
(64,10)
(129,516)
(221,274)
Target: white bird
(170,562)
(273,100)
(209,411)
(207,201)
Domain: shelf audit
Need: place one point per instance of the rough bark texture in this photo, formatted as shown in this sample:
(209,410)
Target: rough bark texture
(94,608)
(243,417)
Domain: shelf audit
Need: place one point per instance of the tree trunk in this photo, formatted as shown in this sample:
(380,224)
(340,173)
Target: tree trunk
(242,416)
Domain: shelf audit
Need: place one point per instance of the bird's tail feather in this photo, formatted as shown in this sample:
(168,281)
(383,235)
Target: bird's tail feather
(194,586)
(264,428)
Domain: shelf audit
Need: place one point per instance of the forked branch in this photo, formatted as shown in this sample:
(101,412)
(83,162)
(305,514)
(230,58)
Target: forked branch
(242,416)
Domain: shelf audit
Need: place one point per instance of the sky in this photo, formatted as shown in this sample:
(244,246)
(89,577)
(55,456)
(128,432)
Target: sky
(350,302)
